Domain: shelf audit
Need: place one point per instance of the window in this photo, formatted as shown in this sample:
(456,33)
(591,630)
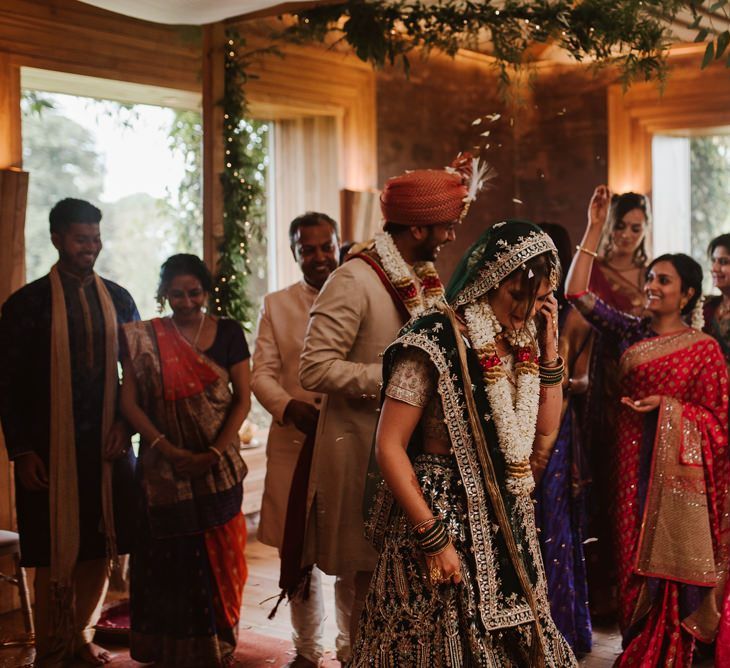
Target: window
(140,163)
(691,193)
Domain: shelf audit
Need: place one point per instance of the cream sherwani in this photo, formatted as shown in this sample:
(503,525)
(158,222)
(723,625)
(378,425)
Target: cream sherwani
(352,322)
(275,382)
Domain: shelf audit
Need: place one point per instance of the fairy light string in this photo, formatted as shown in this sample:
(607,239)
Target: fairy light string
(244,190)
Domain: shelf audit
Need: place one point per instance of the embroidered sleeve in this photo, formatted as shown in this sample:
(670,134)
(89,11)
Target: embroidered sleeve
(605,318)
(412,380)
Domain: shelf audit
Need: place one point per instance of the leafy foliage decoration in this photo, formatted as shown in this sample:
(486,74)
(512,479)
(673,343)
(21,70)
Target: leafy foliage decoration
(633,34)
(244,190)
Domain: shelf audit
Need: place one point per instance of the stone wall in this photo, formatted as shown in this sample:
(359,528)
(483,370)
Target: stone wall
(549,146)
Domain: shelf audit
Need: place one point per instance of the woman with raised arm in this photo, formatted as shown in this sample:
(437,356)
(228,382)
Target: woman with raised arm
(617,277)
(671,468)
(186,391)
(460,580)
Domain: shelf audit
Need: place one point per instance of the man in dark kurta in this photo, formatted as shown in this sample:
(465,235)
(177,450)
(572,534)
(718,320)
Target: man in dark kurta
(25,406)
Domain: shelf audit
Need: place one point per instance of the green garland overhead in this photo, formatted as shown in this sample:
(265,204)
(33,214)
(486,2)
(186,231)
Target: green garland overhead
(630,33)
(244,190)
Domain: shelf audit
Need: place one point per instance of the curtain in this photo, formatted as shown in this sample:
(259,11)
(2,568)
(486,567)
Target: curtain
(306,178)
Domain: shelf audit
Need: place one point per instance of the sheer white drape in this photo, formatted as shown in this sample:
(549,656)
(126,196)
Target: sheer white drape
(671,194)
(306,173)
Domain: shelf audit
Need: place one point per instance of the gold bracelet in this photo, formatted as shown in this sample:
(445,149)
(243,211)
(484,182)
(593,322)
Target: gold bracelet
(586,251)
(421,526)
(218,453)
(157,440)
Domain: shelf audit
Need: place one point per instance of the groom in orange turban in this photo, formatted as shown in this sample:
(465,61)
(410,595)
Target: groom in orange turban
(356,315)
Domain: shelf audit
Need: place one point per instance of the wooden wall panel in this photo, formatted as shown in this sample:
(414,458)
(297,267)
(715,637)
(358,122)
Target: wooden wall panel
(693,100)
(75,37)
(213,151)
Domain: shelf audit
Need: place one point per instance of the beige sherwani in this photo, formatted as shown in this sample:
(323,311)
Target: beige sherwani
(352,322)
(275,382)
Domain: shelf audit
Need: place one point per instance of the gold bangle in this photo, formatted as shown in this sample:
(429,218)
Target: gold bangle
(422,525)
(581,249)
(157,440)
(218,453)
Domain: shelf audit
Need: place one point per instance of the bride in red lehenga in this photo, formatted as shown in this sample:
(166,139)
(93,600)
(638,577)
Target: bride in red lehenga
(671,474)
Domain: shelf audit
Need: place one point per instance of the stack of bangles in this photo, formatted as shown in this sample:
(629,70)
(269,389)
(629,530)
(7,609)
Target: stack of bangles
(551,374)
(432,536)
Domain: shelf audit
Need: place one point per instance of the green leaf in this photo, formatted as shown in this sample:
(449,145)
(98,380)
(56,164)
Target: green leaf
(696,23)
(717,5)
(722,41)
(709,55)
(701,35)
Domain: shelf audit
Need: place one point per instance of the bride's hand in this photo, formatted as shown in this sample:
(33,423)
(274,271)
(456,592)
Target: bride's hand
(598,207)
(549,311)
(444,568)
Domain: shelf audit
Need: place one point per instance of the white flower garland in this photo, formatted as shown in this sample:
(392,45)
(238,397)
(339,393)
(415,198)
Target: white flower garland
(515,420)
(416,300)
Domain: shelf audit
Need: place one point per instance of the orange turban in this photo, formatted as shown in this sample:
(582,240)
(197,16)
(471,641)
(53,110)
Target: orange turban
(423,197)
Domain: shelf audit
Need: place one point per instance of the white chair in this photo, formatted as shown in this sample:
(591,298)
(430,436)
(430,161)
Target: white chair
(10,545)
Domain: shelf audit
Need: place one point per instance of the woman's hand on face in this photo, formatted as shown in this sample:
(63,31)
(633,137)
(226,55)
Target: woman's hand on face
(549,311)
(598,207)
(645,405)
(448,565)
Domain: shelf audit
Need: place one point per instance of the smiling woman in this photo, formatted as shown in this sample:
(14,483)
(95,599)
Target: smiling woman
(186,391)
(669,460)
(717,307)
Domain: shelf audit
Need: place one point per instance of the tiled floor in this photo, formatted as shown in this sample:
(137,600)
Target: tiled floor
(259,598)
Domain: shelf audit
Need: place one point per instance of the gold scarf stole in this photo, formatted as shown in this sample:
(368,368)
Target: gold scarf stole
(675,539)
(63,480)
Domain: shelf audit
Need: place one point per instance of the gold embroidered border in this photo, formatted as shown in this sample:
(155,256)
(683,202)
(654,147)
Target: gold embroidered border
(656,347)
(496,610)
(675,541)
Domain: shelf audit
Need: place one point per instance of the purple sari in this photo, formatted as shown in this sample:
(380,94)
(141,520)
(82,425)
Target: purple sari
(560,514)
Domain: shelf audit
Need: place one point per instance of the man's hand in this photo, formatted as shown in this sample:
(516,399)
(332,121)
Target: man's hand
(117,443)
(302,415)
(31,472)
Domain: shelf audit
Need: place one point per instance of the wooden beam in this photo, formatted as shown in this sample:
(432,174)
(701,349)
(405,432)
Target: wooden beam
(12,260)
(214,43)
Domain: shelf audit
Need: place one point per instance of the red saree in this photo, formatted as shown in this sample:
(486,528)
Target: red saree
(670,514)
